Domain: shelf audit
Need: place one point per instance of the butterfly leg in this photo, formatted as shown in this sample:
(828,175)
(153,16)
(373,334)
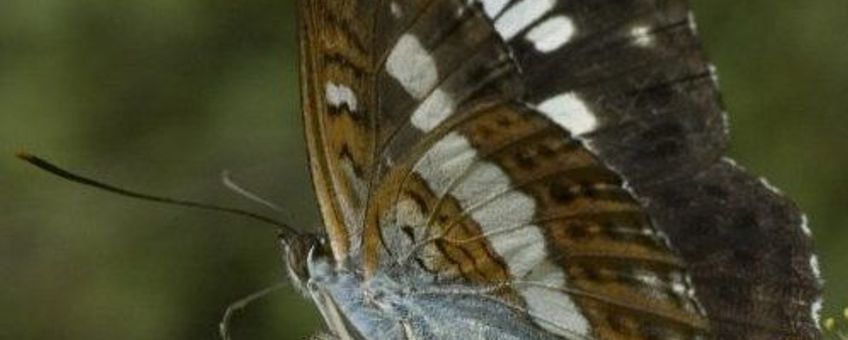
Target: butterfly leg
(237,306)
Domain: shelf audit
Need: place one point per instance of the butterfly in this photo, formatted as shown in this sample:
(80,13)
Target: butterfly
(534,169)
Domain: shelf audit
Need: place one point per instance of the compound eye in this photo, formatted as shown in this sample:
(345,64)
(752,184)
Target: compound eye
(313,253)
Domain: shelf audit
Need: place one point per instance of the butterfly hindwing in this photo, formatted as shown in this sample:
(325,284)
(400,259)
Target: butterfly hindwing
(505,196)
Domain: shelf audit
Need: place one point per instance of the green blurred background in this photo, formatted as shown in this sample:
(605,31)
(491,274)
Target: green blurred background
(165,94)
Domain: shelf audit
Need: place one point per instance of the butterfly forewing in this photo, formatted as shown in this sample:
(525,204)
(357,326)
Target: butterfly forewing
(526,148)
(368,95)
(339,112)
(635,85)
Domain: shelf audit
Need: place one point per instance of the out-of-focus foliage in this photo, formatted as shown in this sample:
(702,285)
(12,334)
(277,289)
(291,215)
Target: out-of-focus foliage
(836,327)
(165,94)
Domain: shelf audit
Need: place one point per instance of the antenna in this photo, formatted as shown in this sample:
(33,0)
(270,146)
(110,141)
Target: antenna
(229,183)
(286,232)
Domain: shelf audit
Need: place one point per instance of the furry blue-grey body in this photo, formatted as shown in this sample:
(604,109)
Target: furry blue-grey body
(401,305)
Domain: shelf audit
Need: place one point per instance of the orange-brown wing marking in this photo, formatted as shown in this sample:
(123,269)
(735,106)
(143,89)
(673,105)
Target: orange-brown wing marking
(471,261)
(559,221)
(601,237)
(339,112)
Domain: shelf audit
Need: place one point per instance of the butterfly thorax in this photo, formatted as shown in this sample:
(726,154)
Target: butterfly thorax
(392,306)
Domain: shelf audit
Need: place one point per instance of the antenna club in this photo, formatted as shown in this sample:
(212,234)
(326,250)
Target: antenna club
(23,155)
(57,171)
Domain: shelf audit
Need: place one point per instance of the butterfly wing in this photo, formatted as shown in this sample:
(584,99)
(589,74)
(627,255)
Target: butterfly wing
(361,91)
(500,194)
(658,120)
(488,143)
(749,252)
(340,116)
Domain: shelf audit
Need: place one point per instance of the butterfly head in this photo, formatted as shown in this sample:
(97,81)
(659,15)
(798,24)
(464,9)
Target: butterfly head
(299,250)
